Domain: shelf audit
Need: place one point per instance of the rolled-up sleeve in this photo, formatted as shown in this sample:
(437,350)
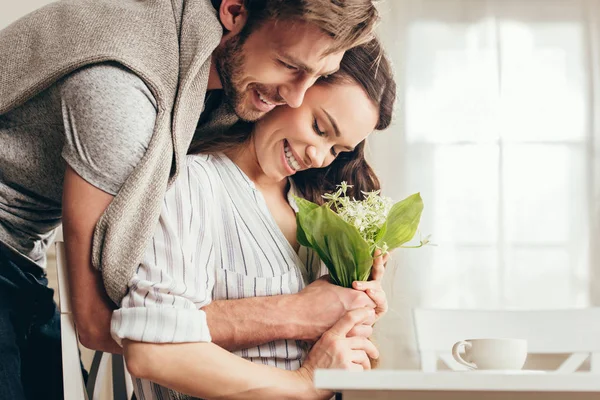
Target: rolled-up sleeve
(176,278)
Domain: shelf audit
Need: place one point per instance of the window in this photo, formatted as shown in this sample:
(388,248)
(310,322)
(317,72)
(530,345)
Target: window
(497,137)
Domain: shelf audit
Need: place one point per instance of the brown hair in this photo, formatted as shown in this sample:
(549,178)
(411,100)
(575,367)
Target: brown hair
(349,22)
(368,66)
(365,65)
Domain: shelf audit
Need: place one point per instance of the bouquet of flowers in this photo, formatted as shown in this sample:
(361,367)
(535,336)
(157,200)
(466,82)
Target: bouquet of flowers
(346,232)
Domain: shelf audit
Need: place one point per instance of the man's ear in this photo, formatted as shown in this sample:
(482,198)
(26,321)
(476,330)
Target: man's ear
(233,16)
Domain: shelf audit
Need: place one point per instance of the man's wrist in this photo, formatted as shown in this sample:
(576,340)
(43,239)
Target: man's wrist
(297,327)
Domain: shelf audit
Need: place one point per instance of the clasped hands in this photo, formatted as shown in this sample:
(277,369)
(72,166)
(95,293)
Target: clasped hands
(342,321)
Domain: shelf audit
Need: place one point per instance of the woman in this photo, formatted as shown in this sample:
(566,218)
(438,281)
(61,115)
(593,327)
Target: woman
(228,230)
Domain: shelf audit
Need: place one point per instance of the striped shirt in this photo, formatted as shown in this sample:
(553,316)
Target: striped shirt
(216,239)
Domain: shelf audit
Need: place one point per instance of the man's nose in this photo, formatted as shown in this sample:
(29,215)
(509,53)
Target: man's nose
(293,93)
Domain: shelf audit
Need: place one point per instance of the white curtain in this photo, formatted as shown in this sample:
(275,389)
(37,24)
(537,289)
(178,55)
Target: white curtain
(497,125)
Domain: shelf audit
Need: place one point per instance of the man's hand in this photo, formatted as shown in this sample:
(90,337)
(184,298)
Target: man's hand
(322,304)
(373,287)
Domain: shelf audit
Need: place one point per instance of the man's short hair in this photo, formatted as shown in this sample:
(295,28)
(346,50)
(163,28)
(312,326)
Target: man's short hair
(348,22)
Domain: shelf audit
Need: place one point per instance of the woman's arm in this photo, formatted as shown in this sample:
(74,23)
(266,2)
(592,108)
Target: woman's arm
(207,371)
(176,276)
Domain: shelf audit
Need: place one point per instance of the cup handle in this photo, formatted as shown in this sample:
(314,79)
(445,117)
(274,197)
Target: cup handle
(457,356)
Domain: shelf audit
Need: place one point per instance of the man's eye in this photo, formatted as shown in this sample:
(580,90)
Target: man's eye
(333,152)
(288,66)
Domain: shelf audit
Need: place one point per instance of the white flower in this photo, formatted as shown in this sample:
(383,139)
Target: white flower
(368,215)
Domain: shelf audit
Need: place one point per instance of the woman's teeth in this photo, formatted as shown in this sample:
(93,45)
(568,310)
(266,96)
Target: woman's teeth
(263,99)
(290,158)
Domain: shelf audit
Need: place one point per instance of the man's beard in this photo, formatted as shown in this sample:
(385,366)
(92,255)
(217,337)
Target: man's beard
(230,60)
(230,63)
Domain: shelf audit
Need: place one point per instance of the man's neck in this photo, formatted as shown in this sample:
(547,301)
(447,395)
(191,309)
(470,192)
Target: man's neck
(214,81)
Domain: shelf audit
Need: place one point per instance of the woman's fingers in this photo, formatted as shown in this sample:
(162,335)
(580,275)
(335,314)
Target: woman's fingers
(377,272)
(364,330)
(366,285)
(334,350)
(378,268)
(375,292)
(355,367)
(352,318)
(379,297)
(360,357)
(365,345)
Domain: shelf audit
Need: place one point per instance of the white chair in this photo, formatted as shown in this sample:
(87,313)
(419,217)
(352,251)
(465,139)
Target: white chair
(569,331)
(74,388)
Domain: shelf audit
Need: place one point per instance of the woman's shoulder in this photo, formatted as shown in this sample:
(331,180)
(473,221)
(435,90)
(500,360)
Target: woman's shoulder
(201,165)
(199,159)
(197,172)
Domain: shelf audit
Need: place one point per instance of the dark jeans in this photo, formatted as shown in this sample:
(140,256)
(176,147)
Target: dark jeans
(30,351)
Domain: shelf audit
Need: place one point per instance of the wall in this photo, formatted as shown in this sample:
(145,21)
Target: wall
(12,10)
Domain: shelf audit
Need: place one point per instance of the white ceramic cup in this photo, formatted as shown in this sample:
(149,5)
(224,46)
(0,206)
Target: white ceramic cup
(491,353)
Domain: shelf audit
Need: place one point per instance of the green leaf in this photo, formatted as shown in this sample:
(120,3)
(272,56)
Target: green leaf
(304,207)
(300,233)
(348,255)
(323,252)
(381,232)
(402,222)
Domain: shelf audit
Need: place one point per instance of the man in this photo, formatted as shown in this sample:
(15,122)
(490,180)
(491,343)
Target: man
(99,101)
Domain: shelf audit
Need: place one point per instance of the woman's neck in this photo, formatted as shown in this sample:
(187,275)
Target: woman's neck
(244,156)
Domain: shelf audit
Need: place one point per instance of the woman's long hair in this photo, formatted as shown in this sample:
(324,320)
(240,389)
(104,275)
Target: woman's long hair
(365,65)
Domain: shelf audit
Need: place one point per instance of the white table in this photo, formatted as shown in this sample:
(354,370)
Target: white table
(447,385)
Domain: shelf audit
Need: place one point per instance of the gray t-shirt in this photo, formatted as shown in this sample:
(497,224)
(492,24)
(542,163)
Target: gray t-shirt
(98,120)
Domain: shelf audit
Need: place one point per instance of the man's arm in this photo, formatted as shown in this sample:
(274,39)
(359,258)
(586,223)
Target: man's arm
(243,323)
(109,116)
(83,204)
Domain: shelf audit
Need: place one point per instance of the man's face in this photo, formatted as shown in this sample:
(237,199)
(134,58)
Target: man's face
(273,66)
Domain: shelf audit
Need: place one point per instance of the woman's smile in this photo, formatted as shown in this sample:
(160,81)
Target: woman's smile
(289,160)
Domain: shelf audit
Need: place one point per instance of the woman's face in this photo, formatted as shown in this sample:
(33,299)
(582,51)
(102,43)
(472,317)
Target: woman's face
(332,119)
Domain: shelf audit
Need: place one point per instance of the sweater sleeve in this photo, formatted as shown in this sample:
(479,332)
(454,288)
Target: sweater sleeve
(177,276)
(108,116)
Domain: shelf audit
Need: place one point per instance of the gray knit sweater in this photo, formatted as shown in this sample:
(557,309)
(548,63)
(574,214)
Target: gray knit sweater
(168,44)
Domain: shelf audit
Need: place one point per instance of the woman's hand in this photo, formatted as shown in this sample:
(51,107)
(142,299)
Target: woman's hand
(378,268)
(373,287)
(335,350)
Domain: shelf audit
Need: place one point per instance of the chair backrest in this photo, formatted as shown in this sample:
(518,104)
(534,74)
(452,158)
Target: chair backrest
(575,331)
(74,388)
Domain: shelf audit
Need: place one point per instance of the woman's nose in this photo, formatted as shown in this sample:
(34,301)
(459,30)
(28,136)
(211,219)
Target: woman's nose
(316,158)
